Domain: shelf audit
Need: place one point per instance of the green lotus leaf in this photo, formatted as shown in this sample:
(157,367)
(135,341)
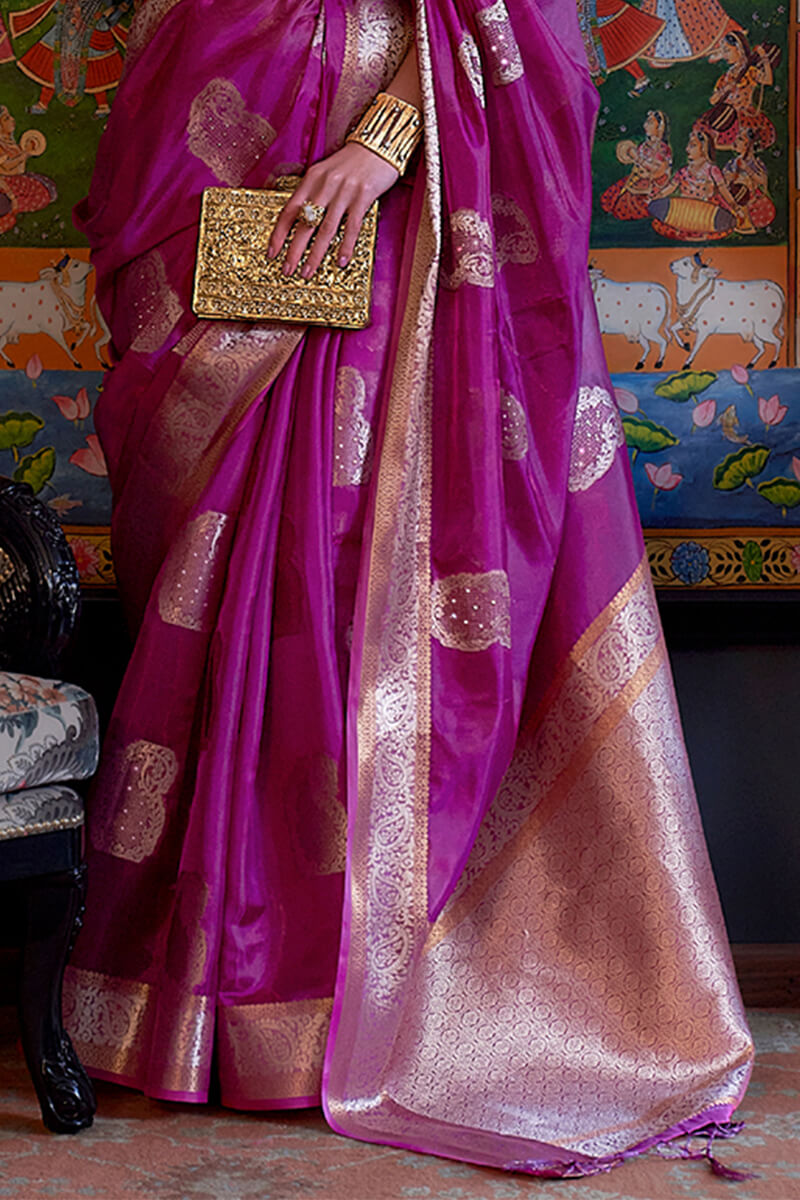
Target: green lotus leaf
(685,384)
(753,561)
(18,429)
(782,492)
(37,468)
(643,434)
(739,467)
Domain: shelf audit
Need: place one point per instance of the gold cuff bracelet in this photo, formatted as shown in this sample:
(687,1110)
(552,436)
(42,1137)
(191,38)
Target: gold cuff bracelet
(391,128)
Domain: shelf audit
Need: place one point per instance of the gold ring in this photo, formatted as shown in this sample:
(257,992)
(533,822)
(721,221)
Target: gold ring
(312,214)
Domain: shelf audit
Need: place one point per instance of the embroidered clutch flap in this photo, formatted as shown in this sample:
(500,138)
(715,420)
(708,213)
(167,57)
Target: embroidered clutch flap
(234,279)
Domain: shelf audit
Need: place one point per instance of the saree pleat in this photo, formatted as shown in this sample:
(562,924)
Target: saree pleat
(394,810)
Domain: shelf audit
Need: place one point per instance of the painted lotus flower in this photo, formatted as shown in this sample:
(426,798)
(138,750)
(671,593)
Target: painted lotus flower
(87,556)
(33,368)
(90,458)
(771,411)
(796,466)
(82,401)
(740,374)
(704,413)
(66,406)
(663,478)
(74,410)
(627,401)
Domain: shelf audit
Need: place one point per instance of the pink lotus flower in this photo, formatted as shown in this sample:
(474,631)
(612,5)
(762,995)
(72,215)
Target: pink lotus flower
(794,554)
(86,556)
(796,467)
(33,368)
(740,374)
(82,401)
(66,406)
(663,478)
(627,401)
(771,411)
(74,410)
(704,414)
(90,458)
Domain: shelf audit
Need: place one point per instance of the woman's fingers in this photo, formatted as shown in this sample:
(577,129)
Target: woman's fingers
(355,219)
(289,214)
(324,236)
(346,183)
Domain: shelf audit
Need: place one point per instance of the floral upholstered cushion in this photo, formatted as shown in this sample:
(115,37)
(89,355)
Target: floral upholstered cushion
(39,810)
(48,732)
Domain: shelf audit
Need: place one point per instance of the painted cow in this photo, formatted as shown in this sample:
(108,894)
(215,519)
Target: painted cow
(55,305)
(754,309)
(637,310)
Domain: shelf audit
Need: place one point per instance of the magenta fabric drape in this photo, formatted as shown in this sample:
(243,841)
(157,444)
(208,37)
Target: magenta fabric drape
(394,811)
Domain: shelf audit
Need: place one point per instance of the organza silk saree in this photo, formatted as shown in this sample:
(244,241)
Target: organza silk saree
(394,810)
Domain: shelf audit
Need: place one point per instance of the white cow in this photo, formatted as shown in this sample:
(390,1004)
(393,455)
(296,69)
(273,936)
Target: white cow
(754,309)
(55,305)
(638,310)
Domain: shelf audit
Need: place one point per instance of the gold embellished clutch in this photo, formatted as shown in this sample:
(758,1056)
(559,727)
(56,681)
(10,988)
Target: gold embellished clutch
(234,279)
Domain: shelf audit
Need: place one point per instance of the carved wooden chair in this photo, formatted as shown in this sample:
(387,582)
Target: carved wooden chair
(48,737)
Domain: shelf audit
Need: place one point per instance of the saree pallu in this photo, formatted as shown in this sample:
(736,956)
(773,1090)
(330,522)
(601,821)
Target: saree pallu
(394,811)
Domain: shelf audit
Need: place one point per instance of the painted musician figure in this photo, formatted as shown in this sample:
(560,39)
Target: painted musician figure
(78,51)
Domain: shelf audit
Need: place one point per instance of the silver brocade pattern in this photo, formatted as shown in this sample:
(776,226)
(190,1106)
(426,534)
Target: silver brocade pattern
(470,59)
(471,611)
(154,306)
(513,427)
(352,433)
(596,438)
(470,249)
(224,135)
(135,780)
(190,580)
(500,44)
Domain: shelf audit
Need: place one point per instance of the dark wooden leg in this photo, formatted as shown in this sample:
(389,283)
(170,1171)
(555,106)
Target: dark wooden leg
(55,906)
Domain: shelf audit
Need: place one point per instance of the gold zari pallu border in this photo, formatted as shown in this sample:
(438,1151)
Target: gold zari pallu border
(235,280)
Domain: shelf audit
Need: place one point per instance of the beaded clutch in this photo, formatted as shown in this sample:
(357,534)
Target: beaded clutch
(234,279)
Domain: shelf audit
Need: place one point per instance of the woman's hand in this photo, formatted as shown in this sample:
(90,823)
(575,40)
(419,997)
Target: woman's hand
(349,181)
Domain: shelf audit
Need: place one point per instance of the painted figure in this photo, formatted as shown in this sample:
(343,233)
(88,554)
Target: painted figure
(651,163)
(692,29)
(697,204)
(7,54)
(21,191)
(748,183)
(734,102)
(615,36)
(78,52)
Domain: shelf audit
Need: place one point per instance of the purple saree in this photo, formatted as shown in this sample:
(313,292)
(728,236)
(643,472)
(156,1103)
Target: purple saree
(394,810)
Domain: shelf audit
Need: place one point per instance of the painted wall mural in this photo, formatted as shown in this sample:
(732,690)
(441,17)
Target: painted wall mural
(60,63)
(694,273)
(693,268)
